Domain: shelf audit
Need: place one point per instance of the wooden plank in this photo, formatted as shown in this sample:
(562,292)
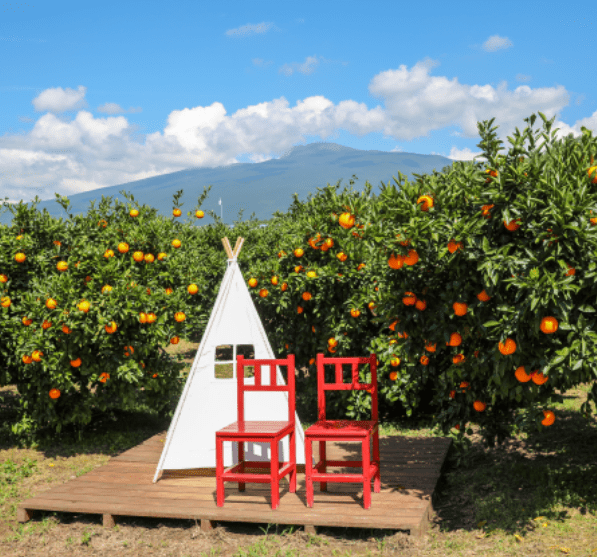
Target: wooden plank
(381,501)
(233,514)
(108,521)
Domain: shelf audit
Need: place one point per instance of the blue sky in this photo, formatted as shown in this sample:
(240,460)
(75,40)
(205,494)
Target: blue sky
(96,94)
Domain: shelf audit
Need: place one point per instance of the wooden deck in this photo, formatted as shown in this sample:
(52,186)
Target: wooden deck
(410,470)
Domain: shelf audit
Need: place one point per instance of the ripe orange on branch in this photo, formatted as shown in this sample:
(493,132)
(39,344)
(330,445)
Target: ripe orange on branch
(549,325)
(507,348)
(346,221)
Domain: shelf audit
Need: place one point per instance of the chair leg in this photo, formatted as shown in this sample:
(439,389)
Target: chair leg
(377,482)
(323,486)
(241,459)
(275,477)
(366,474)
(292,479)
(219,471)
(309,471)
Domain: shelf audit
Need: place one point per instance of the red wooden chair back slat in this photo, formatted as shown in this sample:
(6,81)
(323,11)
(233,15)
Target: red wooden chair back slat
(339,385)
(241,362)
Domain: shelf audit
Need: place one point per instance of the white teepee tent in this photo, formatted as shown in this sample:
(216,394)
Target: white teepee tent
(208,402)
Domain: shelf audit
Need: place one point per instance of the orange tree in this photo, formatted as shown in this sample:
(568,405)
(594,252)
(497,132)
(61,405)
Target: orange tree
(485,282)
(86,308)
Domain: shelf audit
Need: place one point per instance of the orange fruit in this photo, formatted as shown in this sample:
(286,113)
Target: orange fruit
(46,324)
(427,202)
(592,170)
(108,253)
(5,301)
(452,394)
(312,274)
(409,299)
(395,362)
(549,325)
(459,308)
(430,347)
(346,220)
(180,316)
(138,256)
(412,257)
(76,363)
(396,261)
(127,349)
(111,328)
(176,243)
(54,393)
(51,303)
(479,406)
(355,312)
(455,340)
(299,252)
(143,317)
(393,376)
(521,375)
(66,330)
(151,317)
(263,293)
(549,419)
(104,377)
(306,296)
(62,266)
(274,281)
(332,341)
(134,213)
(453,246)
(177,212)
(284,287)
(106,288)
(458,359)
(3,278)
(507,348)
(192,289)
(199,214)
(174,340)
(123,247)
(421,305)
(252,282)
(342,256)
(424,360)
(37,354)
(483,296)
(512,225)
(84,306)
(27,359)
(538,378)
(20,257)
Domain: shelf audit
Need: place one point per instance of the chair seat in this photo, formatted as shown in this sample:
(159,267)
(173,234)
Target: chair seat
(256,429)
(342,428)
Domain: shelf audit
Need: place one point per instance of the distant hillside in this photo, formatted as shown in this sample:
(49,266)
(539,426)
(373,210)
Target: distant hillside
(260,188)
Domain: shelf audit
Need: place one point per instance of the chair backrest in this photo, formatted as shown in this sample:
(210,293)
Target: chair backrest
(339,385)
(241,362)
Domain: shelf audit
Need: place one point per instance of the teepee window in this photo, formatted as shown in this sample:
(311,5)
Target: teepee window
(225,360)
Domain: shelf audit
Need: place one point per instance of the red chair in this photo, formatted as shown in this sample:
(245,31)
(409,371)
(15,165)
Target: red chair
(346,430)
(259,431)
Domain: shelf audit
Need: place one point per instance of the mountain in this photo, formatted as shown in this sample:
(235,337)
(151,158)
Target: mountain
(262,188)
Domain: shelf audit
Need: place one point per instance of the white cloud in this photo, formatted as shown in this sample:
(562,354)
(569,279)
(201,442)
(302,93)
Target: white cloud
(496,42)
(86,153)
